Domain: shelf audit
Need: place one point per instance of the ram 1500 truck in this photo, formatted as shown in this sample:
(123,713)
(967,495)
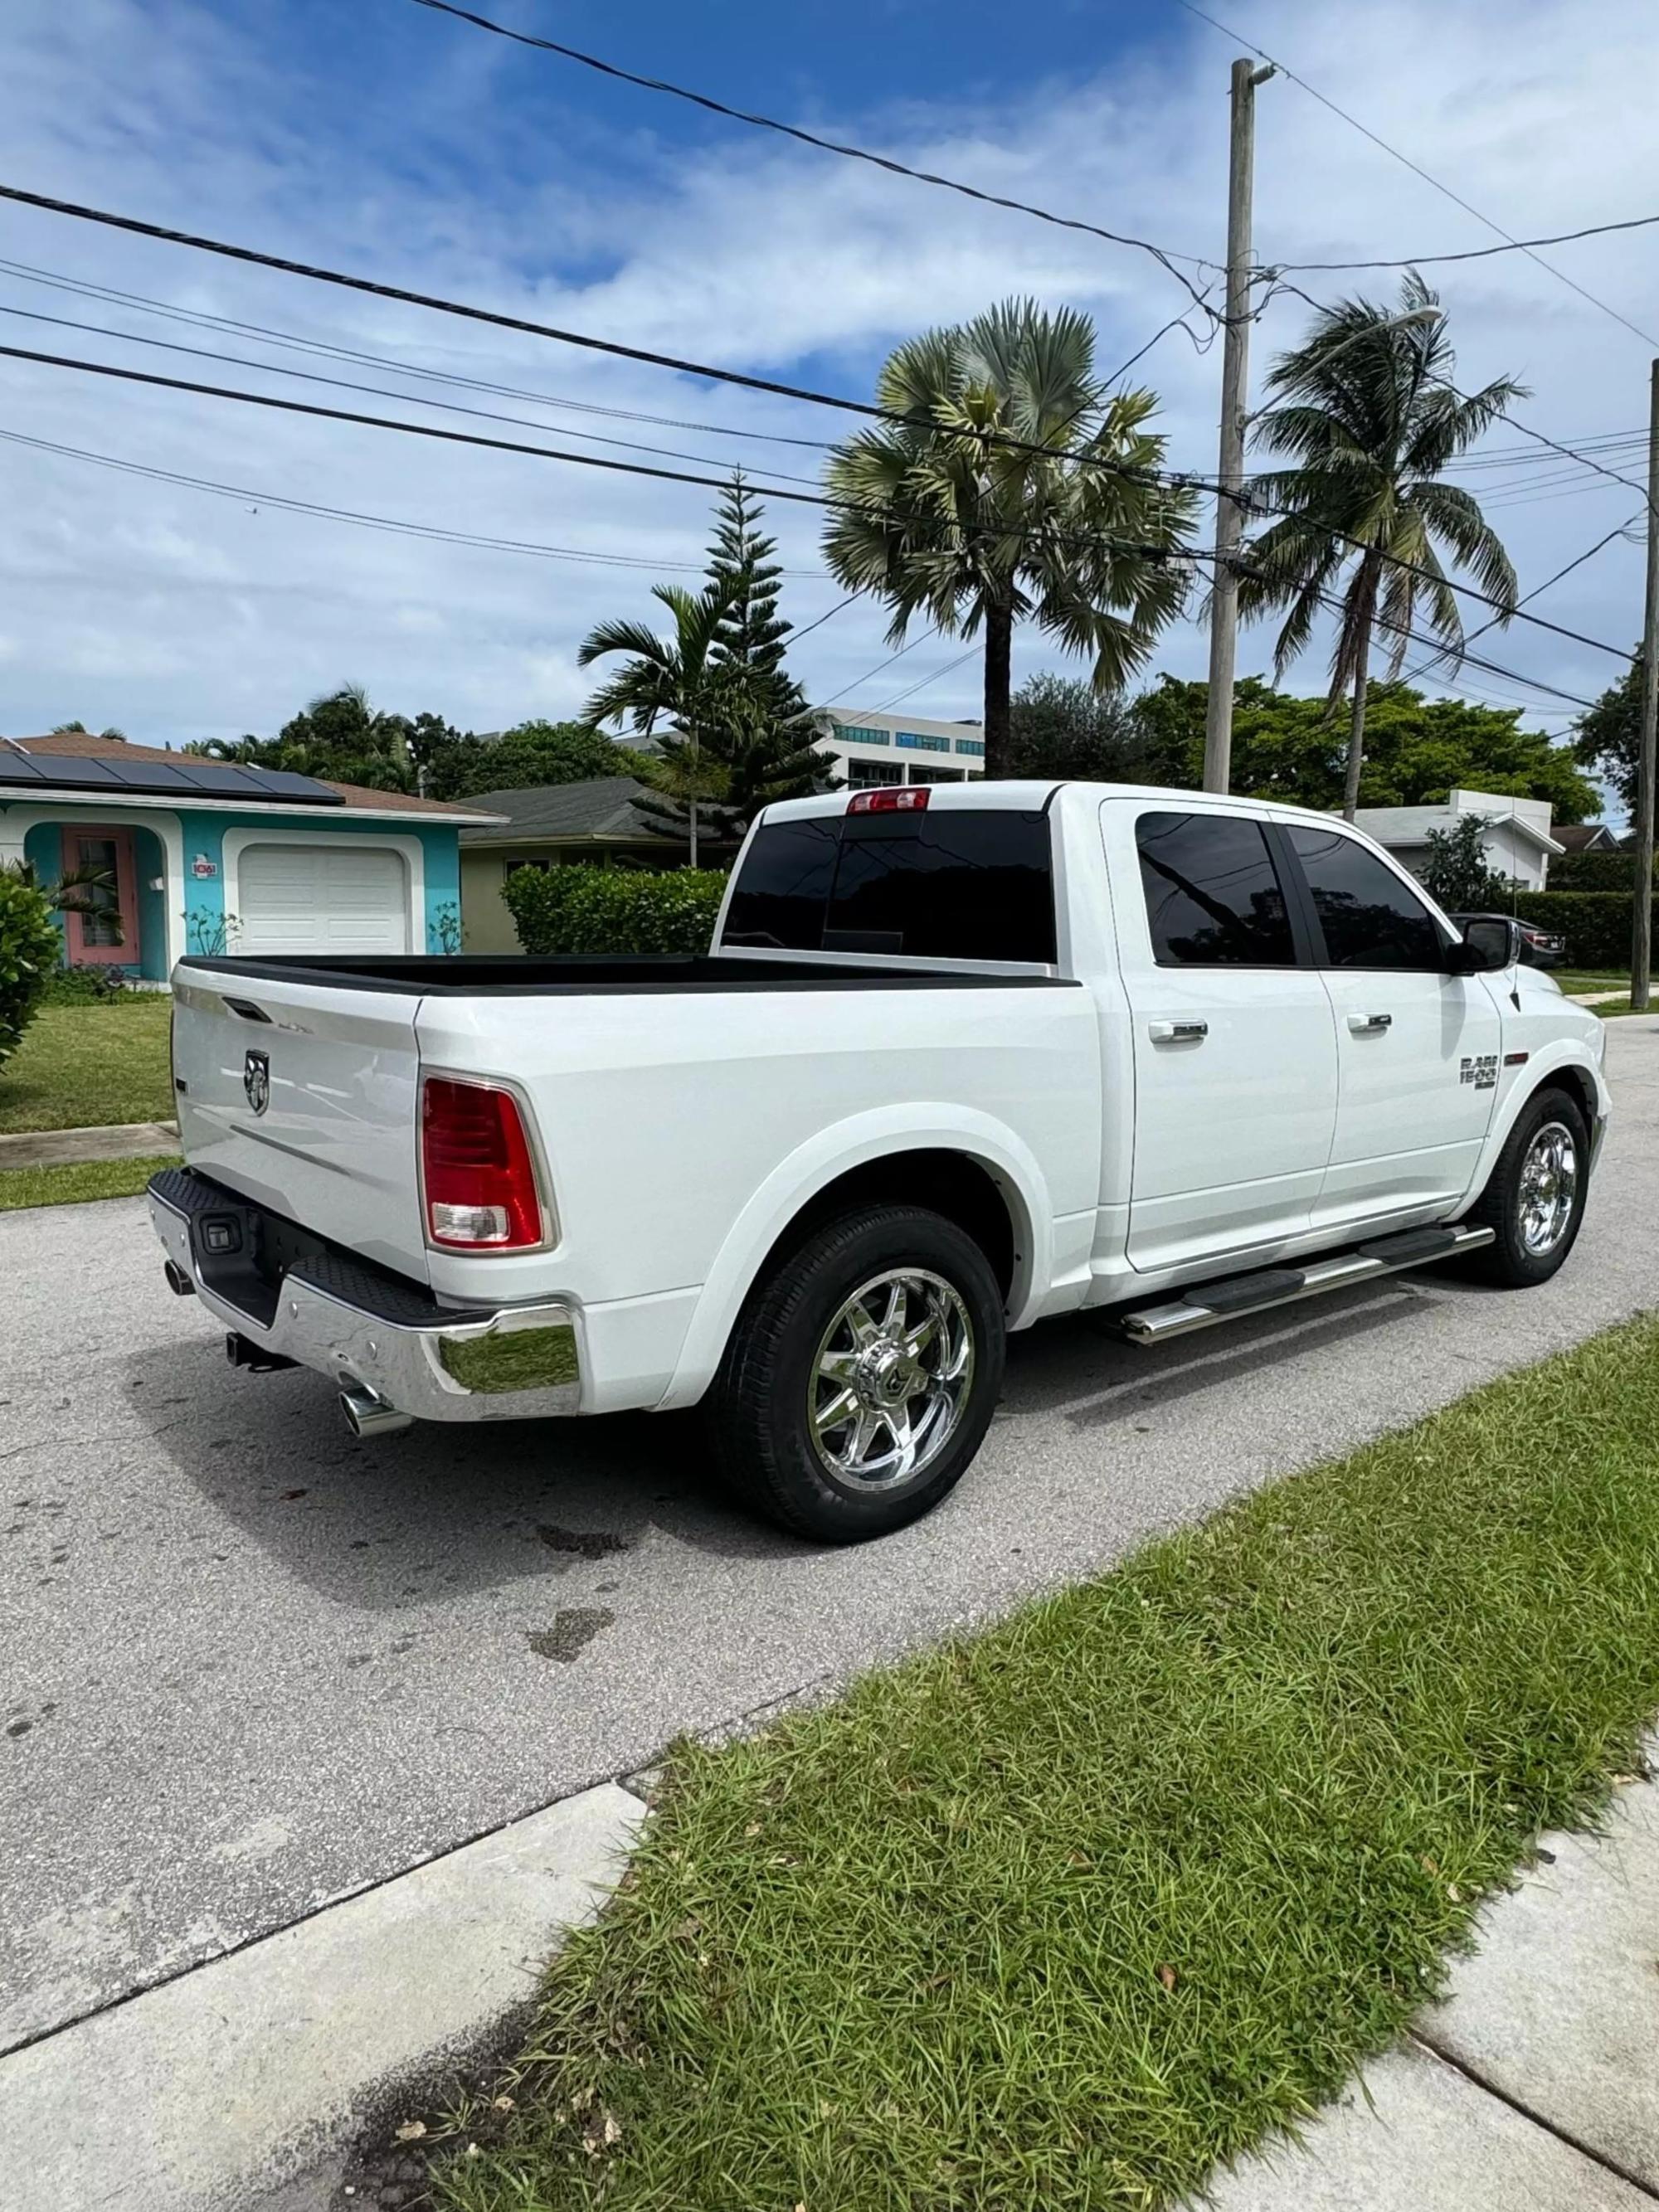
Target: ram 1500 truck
(962,1056)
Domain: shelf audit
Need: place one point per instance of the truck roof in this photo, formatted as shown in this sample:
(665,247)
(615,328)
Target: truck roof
(1035,794)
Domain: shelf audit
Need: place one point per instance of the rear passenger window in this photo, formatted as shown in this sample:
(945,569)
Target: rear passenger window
(1213,897)
(1370,918)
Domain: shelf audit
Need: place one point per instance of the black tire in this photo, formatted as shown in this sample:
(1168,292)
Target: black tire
(758,1412)
(1509,1262)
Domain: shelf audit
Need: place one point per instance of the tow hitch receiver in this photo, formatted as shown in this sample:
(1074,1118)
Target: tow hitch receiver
(242,1351)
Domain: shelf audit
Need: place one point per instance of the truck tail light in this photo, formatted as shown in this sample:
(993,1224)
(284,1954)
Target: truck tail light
(894,798)
(478,1172)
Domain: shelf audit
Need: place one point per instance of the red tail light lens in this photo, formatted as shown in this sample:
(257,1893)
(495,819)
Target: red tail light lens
(895,798)
(477,1170)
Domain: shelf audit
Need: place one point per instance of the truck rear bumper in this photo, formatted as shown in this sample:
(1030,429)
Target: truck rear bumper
(371,1332)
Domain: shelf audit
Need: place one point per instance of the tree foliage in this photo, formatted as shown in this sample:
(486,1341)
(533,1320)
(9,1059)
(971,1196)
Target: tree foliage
(731,730)
(30,949)
(976,536)
(1455,871)
(1365,412)
(1418,750)
(1062,725)
(528,755)
(1608,737)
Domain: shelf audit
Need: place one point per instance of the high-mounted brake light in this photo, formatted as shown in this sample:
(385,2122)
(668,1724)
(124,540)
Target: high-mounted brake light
(896,798)
(478,1175)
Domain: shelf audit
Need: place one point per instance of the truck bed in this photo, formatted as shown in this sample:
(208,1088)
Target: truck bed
(519,974)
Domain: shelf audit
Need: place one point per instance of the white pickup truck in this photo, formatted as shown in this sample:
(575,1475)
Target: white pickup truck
(962,1056)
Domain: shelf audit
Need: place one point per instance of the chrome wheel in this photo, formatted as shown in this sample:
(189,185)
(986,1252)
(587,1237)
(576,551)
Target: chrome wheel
(891,1379)
(1548,1189)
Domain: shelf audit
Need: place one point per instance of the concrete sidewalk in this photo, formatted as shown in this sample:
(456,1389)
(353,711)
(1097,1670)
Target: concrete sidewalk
(55,1148)
(1535,2087)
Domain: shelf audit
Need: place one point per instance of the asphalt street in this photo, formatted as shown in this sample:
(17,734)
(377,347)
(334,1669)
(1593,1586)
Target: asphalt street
(250,1664)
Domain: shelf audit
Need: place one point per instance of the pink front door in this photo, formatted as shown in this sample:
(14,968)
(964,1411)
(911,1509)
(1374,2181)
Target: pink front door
(107,935)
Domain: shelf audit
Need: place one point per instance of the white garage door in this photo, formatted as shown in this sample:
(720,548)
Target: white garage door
(321,898)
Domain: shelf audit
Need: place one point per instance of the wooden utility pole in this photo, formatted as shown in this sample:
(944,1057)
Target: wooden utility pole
(1641,942)
(1235,376)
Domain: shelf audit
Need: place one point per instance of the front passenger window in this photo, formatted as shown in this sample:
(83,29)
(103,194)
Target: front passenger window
(1369,918)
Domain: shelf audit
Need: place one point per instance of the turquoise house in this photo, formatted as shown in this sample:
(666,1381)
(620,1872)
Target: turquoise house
(203,856)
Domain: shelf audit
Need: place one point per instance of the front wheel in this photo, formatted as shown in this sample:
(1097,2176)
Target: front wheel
(1533,1201)
(861,1375)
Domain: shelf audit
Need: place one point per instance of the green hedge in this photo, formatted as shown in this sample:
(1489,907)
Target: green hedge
(1594,872)
(582,908)
(30,948)
(1595,924)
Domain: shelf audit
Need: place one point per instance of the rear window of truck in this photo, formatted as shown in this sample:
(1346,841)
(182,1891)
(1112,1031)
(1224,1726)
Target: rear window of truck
(970,885)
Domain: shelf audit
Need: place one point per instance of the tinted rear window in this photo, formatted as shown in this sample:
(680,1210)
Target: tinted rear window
(956,885)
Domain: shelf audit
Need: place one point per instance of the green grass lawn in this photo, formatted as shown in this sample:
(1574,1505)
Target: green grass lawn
(1059,1915)
(84,1179)
(1591,979)
(82,1067)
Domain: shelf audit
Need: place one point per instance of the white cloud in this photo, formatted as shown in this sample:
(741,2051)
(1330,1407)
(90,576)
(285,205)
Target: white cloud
(178,615)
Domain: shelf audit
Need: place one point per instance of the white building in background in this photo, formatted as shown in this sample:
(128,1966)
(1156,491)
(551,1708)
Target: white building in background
(870,749)
(1518,841)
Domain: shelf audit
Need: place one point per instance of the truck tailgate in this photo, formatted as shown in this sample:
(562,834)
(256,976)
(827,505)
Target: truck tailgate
(304,1097)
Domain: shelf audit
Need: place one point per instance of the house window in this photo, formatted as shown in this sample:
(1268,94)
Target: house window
(854,734)
(919,741)
(973,745)
(861,775)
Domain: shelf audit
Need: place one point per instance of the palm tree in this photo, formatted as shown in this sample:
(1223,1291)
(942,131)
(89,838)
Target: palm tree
(1367,408)
(677,681)
(938,520)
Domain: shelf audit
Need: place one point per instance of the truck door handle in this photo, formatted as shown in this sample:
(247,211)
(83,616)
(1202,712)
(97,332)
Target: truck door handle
(1177,1032)
(1368,1025)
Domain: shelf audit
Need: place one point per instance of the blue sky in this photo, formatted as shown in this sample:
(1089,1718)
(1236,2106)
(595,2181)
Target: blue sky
(378,136)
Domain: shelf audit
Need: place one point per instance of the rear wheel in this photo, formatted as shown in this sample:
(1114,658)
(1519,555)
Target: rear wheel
(862,1374)
(1535,1200)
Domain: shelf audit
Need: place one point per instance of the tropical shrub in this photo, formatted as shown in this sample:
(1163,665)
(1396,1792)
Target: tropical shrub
(30,949)
(581,908)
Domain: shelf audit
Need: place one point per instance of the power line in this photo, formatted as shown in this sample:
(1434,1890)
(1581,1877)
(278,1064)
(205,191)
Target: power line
(717,484)
(1165,256)
(253,258)
(199,318)
(1520,244)
(938,677)
(1473,659)
(380,391)
(1475,253)
(1146,550)
(251,255)
(1577,562)
(440,533)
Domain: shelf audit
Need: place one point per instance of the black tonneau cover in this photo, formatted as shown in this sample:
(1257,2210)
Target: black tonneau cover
(463,974)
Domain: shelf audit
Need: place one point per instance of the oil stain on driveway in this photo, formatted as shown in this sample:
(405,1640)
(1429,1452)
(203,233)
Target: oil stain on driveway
(250,1664)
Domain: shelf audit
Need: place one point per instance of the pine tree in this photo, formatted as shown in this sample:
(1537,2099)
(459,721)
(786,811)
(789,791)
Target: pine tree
(733,729)
(771,752)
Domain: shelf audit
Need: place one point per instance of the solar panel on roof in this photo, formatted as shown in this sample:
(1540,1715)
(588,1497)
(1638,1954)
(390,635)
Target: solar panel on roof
(188,777)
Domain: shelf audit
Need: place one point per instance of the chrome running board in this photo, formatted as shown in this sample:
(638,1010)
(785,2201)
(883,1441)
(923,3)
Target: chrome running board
(1207,1303)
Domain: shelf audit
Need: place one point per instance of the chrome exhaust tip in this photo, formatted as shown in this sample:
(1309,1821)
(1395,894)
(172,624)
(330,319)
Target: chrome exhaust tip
(178,1281)
(368,1414)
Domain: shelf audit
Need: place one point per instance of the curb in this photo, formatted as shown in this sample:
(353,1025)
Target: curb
(53,1148)
(249,2073)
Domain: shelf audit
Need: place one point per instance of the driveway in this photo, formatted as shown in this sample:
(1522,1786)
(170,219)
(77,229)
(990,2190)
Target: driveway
(250,1664)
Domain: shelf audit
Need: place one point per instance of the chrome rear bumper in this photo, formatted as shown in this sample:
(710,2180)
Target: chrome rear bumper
(520,1363)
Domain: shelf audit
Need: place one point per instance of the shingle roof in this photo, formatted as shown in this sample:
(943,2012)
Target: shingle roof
(86,744)
(603,806)
(1584,836)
